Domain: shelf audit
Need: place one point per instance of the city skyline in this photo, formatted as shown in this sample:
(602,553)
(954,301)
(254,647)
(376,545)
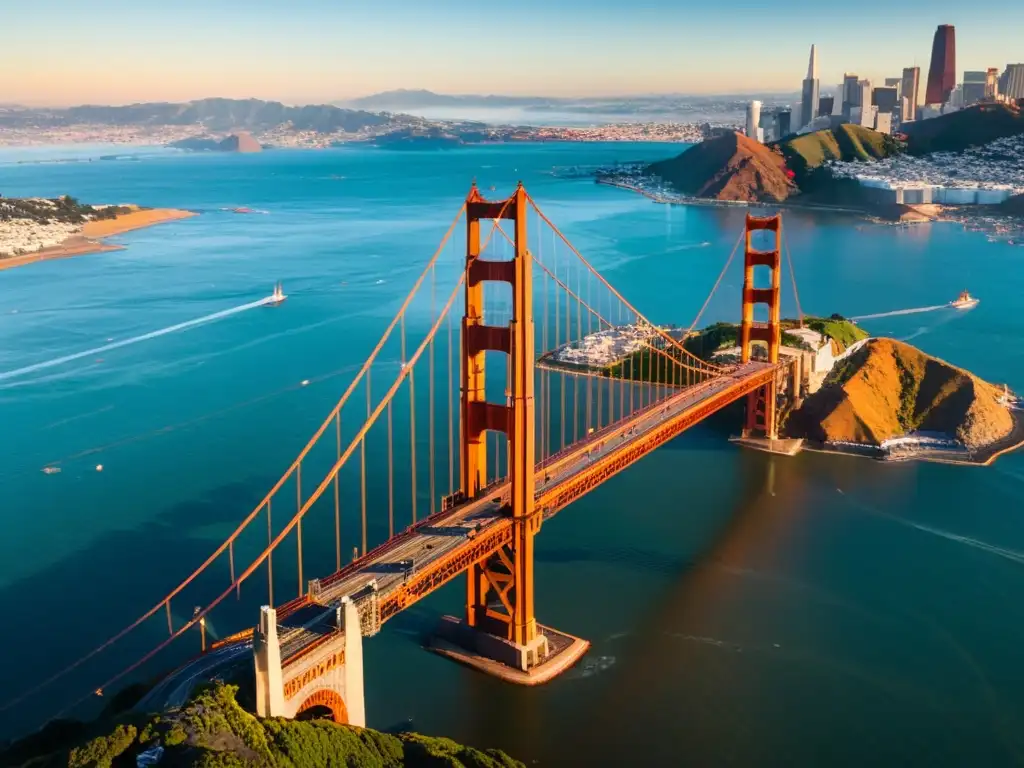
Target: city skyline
(313,51)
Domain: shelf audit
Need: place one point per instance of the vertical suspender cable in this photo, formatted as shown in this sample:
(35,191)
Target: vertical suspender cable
(362,455)
(337,495)
(451,413)
(588,380)
(298,528)
(270,557)
(431,465)
(792,277)
(391,476)
(412,436)
(231,563)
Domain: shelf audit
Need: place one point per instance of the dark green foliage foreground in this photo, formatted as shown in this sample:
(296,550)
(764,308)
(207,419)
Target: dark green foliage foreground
(213,731)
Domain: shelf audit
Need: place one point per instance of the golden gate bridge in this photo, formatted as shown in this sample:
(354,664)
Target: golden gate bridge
(520,443)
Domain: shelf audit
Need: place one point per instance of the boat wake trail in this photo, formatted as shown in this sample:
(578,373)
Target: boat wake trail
(896,312)
(1008,554)
(4,376)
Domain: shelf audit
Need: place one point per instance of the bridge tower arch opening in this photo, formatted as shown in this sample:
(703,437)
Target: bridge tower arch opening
(761,417)
(326,701)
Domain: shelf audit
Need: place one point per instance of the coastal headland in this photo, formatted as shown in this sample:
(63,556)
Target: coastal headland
(213,728)
(965,167)
(28,236)
(858,395)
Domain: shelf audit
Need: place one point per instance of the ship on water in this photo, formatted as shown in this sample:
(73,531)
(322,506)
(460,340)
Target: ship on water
(964,301)
(277,296)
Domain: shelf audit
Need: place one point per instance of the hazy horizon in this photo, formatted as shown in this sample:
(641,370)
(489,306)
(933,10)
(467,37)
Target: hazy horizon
(346,101)
(63,52)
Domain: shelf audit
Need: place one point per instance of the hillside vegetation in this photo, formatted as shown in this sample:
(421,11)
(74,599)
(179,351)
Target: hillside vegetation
(964,128)
(717,336)
(64,210)
(213,731)
(889,389)
(845,142)
(841,331)
(728,167)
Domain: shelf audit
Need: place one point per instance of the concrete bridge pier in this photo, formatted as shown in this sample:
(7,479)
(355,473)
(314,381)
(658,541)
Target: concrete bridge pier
(329,675)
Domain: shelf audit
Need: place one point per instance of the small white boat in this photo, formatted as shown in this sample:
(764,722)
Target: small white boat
(964,301)
(277,296)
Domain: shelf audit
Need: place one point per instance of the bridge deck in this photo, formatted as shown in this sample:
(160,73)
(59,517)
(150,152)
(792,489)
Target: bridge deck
(429,554)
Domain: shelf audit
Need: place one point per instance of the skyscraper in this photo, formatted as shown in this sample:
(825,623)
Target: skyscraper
(974,87)
(851,93)
(885,99)
(942,70)
(753,119)
(809,102)
(783,123)
(991,83)
(864,99)
(1014,85)
(911,81)
(825,105)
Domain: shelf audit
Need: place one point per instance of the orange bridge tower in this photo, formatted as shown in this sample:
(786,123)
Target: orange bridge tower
(499,625)
(761,417)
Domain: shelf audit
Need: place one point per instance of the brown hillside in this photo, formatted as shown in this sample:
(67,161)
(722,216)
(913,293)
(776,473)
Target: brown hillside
(728,167)
(241,142)
(888,389)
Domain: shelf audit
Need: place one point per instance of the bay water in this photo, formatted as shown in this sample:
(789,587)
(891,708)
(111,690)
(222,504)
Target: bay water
(743,609)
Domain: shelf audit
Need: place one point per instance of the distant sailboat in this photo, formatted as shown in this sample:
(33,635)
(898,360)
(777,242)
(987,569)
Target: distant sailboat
(277,296)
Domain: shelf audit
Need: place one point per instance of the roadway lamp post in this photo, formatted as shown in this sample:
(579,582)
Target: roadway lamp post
(202,629)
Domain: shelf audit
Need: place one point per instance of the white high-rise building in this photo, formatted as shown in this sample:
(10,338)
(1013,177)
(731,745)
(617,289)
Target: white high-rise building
(753,118)
(1013,86)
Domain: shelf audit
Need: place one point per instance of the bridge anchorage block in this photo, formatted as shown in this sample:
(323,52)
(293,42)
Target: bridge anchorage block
(548,655)
(327,674)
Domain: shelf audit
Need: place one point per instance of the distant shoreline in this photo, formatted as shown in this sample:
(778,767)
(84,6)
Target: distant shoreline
(89,240)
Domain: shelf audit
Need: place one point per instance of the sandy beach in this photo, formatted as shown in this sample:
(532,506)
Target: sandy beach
(89,240)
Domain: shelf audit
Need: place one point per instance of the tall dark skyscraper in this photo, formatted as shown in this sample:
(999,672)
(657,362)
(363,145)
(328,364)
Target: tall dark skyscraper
(783,123)
(942,71)
(885,99)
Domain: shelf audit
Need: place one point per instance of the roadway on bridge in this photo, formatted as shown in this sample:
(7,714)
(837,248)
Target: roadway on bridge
(418,548)
(399,561)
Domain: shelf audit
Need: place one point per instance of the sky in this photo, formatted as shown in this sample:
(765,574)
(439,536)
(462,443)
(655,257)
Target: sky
(62,52)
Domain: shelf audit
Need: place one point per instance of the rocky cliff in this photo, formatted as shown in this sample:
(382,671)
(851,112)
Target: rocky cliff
(889,389)
(728,167)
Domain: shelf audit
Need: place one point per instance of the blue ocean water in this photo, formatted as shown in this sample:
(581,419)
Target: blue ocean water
(743,609)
